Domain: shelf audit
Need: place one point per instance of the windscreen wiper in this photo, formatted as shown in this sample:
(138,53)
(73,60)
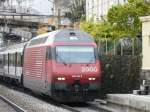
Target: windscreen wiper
(62,60)
(91,60)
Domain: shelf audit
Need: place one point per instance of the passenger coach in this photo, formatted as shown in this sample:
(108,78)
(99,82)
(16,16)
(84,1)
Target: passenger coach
(62,64)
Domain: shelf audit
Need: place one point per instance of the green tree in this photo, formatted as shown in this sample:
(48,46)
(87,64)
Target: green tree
(122,21)
(126,17)
(101,30)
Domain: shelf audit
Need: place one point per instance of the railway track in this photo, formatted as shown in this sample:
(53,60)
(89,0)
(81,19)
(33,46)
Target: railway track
(87,107)
(74,107)
(13,106)
(102,108)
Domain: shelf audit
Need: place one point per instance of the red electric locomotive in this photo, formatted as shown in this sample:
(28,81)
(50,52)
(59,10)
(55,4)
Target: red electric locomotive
(62,64)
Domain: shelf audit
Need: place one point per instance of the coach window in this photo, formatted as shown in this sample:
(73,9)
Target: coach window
(21,62)
(14,59)
(1,60)
(18,59)
(10,59)
(6,59)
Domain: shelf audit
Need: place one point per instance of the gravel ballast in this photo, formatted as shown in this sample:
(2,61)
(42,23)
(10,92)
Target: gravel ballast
(4,107)
(27,102)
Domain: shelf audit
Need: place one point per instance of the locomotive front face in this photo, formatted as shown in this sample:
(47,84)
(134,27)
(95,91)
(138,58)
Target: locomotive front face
(76,72)
(64,65)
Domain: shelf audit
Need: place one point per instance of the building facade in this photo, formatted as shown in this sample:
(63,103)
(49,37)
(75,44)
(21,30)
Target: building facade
(97,9)
(146,48)
(60,8)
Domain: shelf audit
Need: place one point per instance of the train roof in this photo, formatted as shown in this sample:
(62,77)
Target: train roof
(63,35)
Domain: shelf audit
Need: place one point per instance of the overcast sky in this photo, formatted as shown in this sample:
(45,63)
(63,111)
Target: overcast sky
(43,6)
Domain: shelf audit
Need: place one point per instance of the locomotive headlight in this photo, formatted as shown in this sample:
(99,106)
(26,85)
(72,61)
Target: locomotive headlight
(92,79)
(61,78)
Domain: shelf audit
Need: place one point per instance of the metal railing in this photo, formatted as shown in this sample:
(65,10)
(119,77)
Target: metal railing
(125,46)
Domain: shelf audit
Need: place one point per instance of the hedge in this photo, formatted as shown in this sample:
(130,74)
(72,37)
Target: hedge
(120,74)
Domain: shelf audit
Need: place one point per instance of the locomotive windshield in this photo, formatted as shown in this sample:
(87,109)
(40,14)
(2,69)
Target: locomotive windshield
(75,54)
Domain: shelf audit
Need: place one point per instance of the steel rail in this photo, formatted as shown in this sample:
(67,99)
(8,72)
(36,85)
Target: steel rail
(103,108)
(70,108)
(13,105)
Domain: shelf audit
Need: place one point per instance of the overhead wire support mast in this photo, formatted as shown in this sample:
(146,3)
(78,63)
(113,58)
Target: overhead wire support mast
(56,11)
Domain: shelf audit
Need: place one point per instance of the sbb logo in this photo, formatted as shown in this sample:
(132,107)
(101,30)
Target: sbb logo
(89,69)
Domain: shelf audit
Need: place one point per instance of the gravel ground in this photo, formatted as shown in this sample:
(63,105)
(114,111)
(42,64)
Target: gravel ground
(4,107)
(27,102)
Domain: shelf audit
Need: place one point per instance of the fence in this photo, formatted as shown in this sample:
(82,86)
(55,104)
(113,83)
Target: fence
(121,65)
(125,46)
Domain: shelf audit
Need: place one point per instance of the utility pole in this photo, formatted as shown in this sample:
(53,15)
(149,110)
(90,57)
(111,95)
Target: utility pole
(57,12)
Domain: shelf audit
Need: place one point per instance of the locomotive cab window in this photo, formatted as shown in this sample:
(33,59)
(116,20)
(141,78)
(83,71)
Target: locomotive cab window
(38,41)
(75,54)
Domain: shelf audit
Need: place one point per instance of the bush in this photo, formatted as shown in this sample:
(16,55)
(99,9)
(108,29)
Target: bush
(121,74)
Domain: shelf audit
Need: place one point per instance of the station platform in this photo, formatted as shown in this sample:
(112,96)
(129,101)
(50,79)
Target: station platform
(129,102)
